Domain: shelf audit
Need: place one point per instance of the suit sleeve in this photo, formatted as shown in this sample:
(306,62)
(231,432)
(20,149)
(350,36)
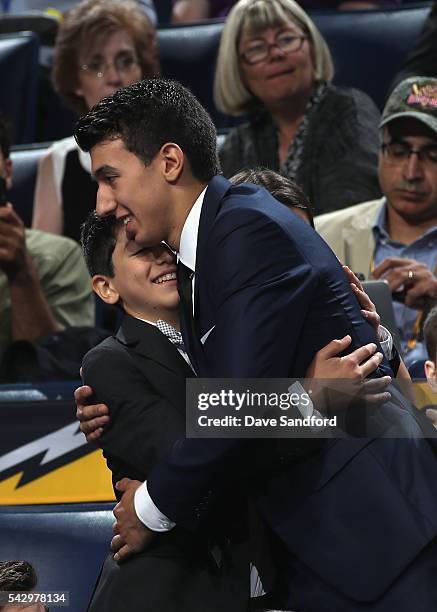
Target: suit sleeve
(258,281)
(143,424)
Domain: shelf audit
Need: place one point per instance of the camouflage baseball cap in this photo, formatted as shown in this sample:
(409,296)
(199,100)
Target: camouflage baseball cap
(414,97)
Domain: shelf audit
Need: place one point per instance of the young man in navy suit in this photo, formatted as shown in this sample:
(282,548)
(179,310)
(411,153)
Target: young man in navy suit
(268,294)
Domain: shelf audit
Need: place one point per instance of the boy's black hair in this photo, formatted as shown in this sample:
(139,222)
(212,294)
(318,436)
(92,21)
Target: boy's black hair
(148,114)
(17,576)
(430,333)
(98,242)
(281,188)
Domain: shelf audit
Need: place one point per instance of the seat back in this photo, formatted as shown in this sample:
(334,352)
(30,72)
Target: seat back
(25,167)
(188,54)
(18,83)
(66,544)
(369,46)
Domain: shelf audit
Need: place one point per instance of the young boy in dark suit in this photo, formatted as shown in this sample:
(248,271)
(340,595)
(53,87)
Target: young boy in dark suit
(140,374)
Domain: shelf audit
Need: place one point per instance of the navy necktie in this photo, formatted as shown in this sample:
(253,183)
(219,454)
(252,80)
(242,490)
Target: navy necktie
(185,288)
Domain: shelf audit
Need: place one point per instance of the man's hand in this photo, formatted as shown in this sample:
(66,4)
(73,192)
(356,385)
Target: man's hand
(418,280)
(92,417)
(14,258)
(131,535)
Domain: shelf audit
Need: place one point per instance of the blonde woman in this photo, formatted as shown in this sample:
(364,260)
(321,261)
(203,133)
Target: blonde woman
(275,67)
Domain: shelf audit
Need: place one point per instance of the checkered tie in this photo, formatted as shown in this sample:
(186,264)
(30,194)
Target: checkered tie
(172,334)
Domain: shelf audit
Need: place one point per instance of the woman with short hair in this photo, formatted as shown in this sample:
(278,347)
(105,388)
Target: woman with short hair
(275,67)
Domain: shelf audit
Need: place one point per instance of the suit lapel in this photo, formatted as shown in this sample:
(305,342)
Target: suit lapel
(359,245)
(146,340)
(217,189)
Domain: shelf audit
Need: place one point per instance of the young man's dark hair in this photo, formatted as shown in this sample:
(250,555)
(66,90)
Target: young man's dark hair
(5,145)
(430,333)
(17,576)
(148,114)
(98,243)
(282,189)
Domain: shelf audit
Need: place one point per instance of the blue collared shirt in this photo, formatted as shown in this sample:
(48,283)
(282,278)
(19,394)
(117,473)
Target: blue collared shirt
(424,249)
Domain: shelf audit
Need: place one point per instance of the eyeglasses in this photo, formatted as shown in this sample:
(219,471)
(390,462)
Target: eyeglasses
(123,63)
(398,152)
(285,41)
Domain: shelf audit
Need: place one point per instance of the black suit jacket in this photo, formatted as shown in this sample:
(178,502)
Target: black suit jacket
(270,293)
(140,375)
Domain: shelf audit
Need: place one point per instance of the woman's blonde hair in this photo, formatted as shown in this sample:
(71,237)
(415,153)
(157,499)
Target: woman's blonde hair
(230,94)
(88,21)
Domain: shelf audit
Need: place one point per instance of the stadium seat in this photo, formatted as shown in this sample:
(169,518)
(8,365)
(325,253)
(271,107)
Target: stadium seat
(25,165)
(18,78)
(66,544)
(369,46)
(44,25)
(417,369)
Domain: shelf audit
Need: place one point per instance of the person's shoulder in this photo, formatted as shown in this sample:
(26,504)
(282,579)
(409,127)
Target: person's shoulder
(340,102)
(108,352)
(247,206)
(362,212)
(50,245)
(347,95)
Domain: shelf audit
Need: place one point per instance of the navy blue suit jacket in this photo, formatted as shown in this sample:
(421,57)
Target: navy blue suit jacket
(273,294)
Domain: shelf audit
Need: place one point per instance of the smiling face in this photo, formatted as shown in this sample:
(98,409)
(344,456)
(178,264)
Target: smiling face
(281,77)
(135,193)
(117,55)
(410,186)
(144,281)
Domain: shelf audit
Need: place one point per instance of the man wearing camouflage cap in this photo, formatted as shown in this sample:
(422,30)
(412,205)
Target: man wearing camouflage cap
(395,238)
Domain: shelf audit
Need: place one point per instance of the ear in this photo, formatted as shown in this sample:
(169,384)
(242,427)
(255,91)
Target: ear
(104,288)
(174,161)
(430,372)
(8,173)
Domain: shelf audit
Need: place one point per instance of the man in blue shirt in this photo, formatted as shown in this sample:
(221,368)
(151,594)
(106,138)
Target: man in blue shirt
(395,238)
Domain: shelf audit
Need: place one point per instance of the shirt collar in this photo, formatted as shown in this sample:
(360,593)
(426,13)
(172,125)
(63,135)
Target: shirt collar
(190,230)
(379,226)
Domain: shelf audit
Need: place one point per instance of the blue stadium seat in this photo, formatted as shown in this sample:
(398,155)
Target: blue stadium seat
(163,10)
(66,544)
(188,54)
(18,78)
(417,369)
(25,166)
(369,46)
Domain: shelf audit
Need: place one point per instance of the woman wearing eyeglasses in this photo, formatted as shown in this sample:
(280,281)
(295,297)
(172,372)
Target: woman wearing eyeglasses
(102,45)
(275,67)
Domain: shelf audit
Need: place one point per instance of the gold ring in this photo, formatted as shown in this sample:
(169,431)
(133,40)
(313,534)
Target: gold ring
(410,275)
